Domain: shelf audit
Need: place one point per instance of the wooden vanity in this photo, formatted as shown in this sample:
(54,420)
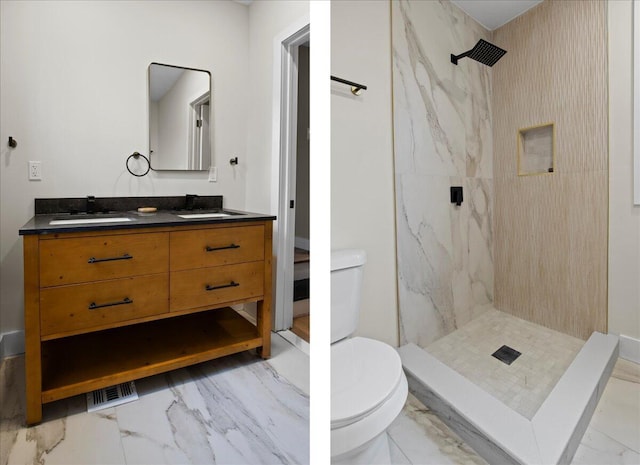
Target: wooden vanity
(104,307)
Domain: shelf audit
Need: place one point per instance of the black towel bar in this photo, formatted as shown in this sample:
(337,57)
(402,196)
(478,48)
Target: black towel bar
(355,87)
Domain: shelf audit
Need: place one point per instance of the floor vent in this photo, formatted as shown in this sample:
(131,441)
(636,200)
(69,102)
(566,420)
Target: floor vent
(111,396)
(506,354)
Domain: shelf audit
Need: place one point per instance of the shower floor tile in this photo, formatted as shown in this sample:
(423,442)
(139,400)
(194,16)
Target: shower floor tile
(524,384)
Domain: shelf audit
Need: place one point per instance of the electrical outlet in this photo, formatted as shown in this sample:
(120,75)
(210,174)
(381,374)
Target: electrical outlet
(35,171)
(213,174)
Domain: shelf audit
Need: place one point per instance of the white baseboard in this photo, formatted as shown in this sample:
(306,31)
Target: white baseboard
(11,344)
(302,243)
(629,348)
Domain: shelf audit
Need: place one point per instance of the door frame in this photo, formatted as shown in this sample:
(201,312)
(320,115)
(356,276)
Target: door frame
(284,164)
(196,140)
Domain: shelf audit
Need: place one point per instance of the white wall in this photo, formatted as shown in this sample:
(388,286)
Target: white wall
(73,93)
(362,191)
(267,20)
(624,218)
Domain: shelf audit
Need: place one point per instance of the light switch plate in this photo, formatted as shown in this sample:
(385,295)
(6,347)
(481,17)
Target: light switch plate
(213,174)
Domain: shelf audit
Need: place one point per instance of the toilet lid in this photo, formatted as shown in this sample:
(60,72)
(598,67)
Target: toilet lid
(364,373)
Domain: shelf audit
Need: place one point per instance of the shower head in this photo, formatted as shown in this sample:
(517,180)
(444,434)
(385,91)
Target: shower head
(484,52)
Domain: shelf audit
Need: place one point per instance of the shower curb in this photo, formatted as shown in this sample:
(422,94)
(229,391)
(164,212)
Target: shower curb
(498,433)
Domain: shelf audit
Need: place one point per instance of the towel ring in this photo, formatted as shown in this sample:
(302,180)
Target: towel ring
(136,155)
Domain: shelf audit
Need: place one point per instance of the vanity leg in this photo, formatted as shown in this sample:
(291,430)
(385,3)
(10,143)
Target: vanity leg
(33,360)
(33,391)
(264,327)
(264,306)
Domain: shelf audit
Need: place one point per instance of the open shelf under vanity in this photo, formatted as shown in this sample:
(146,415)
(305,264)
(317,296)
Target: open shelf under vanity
(77,364)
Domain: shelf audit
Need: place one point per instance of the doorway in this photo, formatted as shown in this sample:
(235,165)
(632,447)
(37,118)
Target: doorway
(199,140)
(293,247)
(301,256)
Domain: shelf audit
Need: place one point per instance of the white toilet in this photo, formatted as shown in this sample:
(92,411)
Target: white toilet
(368,386)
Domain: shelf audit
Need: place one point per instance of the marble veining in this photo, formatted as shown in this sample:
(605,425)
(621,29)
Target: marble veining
(234,410)
(423,438)
(443,138)
(444,109)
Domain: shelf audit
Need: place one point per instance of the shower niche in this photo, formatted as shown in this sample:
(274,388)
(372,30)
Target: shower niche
(536,150)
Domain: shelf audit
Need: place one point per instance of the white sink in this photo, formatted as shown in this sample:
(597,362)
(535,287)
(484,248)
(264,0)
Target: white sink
(203,215)
(90,220)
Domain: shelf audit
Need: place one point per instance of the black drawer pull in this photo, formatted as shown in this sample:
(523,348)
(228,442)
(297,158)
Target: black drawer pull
(213,288)
(212,249)
(125,301)
(110,259)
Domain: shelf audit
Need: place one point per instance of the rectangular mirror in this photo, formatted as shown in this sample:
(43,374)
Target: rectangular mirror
(179,117)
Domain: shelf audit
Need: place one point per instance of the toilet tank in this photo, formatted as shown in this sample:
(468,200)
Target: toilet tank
(346,291)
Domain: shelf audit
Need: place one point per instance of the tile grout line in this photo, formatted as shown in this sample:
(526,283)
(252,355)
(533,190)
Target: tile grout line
(390,438)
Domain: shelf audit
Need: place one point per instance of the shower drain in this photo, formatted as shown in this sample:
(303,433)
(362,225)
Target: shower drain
(506,354)
(111,396)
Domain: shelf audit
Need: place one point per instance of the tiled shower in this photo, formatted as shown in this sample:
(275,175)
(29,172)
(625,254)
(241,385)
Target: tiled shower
(533,246)
(519,266)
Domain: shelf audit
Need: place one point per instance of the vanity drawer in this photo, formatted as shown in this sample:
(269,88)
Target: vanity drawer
(212,286)
(218,246)
(84,306)
(85,259)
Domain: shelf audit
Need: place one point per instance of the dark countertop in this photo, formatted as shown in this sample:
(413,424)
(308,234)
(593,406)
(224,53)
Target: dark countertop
(39,224)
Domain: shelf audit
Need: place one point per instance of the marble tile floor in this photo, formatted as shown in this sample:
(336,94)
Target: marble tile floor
(234,410)
(417,436)
(525,384)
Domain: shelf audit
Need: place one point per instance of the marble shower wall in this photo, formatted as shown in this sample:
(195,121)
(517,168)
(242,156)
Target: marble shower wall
(442,138)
